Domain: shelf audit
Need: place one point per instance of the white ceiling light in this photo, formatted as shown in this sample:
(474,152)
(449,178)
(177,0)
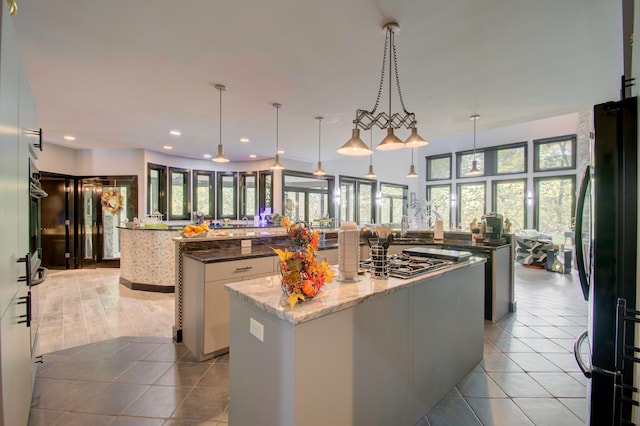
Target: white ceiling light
(319,171)
(252,156)
(366,119)
(220,158)
(474,165)
(175,132)
(276,164)
(69,138)
(244,140)
(206,155)
(167,147)
(412,169)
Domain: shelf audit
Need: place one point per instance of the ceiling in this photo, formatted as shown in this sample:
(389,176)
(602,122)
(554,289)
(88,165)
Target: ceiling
(123,74)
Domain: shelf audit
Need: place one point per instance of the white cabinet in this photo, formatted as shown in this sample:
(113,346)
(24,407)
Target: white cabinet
(205,326)
(15,352)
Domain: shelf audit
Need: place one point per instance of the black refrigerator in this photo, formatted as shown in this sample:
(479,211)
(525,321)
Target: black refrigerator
(606,224)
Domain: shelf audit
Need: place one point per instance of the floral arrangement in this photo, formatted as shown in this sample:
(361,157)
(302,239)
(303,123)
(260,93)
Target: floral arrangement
(112,201)
(302,275)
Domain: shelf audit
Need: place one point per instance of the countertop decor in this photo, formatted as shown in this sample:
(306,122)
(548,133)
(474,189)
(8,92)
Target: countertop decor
(302,275)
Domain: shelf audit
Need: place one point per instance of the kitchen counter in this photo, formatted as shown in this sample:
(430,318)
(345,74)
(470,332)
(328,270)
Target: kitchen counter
(226,254)
(369,352)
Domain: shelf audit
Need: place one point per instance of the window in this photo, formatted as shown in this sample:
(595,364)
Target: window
(203,192)
(498,160)
(157,188)
(357,200)
(471,205)
(179,192)
(439,196)
(509,199)
(265,191)
(394,202)
(555,153)
(465,163)
(511,160)
(555,204)
(306,197)
(227,195)
(439,167)
(248,195)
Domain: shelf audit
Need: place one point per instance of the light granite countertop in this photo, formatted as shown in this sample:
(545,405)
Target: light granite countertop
(266,293)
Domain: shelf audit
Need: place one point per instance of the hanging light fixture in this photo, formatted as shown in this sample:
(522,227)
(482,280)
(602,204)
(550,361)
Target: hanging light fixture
(366,119)
(371,174)
(474,165)
(276,164)
(319,171)
(220,158)
(412,169)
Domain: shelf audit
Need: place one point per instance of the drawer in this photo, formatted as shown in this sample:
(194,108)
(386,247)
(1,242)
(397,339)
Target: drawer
(239,268)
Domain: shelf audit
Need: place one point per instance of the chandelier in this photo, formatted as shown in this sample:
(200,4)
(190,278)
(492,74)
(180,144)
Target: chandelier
(474,164)
(220,158)
(367,119)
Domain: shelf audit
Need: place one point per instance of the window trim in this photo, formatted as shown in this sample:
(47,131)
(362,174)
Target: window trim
(330,190)
(186,202)
(243,194)
(498,148)
(262,190)
(357,181)
(491,160)
(536,195)
(438,157)
(162,187)
(536,152)
(219,195)
(459,198)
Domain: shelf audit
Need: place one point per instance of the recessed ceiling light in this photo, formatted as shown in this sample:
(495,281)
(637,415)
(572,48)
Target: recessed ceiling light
(252,156)
(244,139)
(281,151)
(207,155)
(69,138)
(175,132)
(167,147)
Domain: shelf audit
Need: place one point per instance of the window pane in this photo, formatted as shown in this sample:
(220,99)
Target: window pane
(511,160)
(315,206)
(294,205)
(440,197)
(365,195)
(154,190)
(472,204)
(439,168)
(554,206)
(466,162)
(250,194)
(203,191)
(178,201)
(267,191)
(347,201)
(394,201)
(555,155)
(228,189)
(510,202)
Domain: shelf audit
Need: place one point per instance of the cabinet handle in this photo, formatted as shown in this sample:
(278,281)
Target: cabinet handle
(27,263)
(244,269)
(26,300)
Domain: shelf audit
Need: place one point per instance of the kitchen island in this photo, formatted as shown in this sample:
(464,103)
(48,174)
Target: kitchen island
(369,352)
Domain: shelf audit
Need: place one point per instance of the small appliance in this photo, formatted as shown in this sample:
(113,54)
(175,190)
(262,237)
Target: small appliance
(492,226)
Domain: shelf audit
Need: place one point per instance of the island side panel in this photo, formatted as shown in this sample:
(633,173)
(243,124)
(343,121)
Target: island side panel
(193,306)
(502,281)
(261,381)
(448,333)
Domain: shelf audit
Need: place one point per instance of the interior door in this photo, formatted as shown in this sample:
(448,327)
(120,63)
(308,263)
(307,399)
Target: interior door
(104,205)
(57,222)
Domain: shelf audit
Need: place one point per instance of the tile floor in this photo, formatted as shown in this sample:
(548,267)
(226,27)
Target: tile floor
(109,359)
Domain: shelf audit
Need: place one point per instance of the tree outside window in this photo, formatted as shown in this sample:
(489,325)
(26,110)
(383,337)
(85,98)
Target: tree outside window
(471,203)
(510,201)
(555,204)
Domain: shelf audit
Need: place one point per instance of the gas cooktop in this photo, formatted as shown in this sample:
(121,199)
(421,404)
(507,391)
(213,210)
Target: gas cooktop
(403,265)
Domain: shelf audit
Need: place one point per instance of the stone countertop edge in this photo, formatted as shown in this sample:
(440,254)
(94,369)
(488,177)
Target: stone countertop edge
(238,253)
(266,294)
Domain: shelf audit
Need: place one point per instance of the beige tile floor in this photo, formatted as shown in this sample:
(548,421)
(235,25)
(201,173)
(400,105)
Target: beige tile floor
(83,306)
(109,359)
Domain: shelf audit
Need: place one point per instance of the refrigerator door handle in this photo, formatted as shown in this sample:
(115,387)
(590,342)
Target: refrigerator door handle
(587,371)
(582,268)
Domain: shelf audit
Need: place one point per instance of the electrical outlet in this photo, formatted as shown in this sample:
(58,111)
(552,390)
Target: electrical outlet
(256,329)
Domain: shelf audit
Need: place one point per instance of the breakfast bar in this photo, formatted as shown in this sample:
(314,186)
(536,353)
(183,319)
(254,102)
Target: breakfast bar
(367,352)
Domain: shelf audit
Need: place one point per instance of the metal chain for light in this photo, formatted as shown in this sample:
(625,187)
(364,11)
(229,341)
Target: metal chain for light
(319,134)
(384,63)
(395,65)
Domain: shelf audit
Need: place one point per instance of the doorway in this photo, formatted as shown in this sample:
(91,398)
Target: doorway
(103,205)
(57,221)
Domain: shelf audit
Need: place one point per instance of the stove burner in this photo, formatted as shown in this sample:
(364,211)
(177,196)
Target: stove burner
(404,266)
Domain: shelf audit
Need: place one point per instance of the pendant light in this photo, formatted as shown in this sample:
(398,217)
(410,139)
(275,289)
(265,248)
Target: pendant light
(474,165)
(276,164)
(412,169)
(366,119)
(220,158)
(319,171)
(371,174)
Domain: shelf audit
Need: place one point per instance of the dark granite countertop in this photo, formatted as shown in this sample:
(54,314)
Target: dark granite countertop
(237,253)
(449,244)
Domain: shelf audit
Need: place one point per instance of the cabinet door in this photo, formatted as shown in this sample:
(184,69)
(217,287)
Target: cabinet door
(216,316)
(234,270)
